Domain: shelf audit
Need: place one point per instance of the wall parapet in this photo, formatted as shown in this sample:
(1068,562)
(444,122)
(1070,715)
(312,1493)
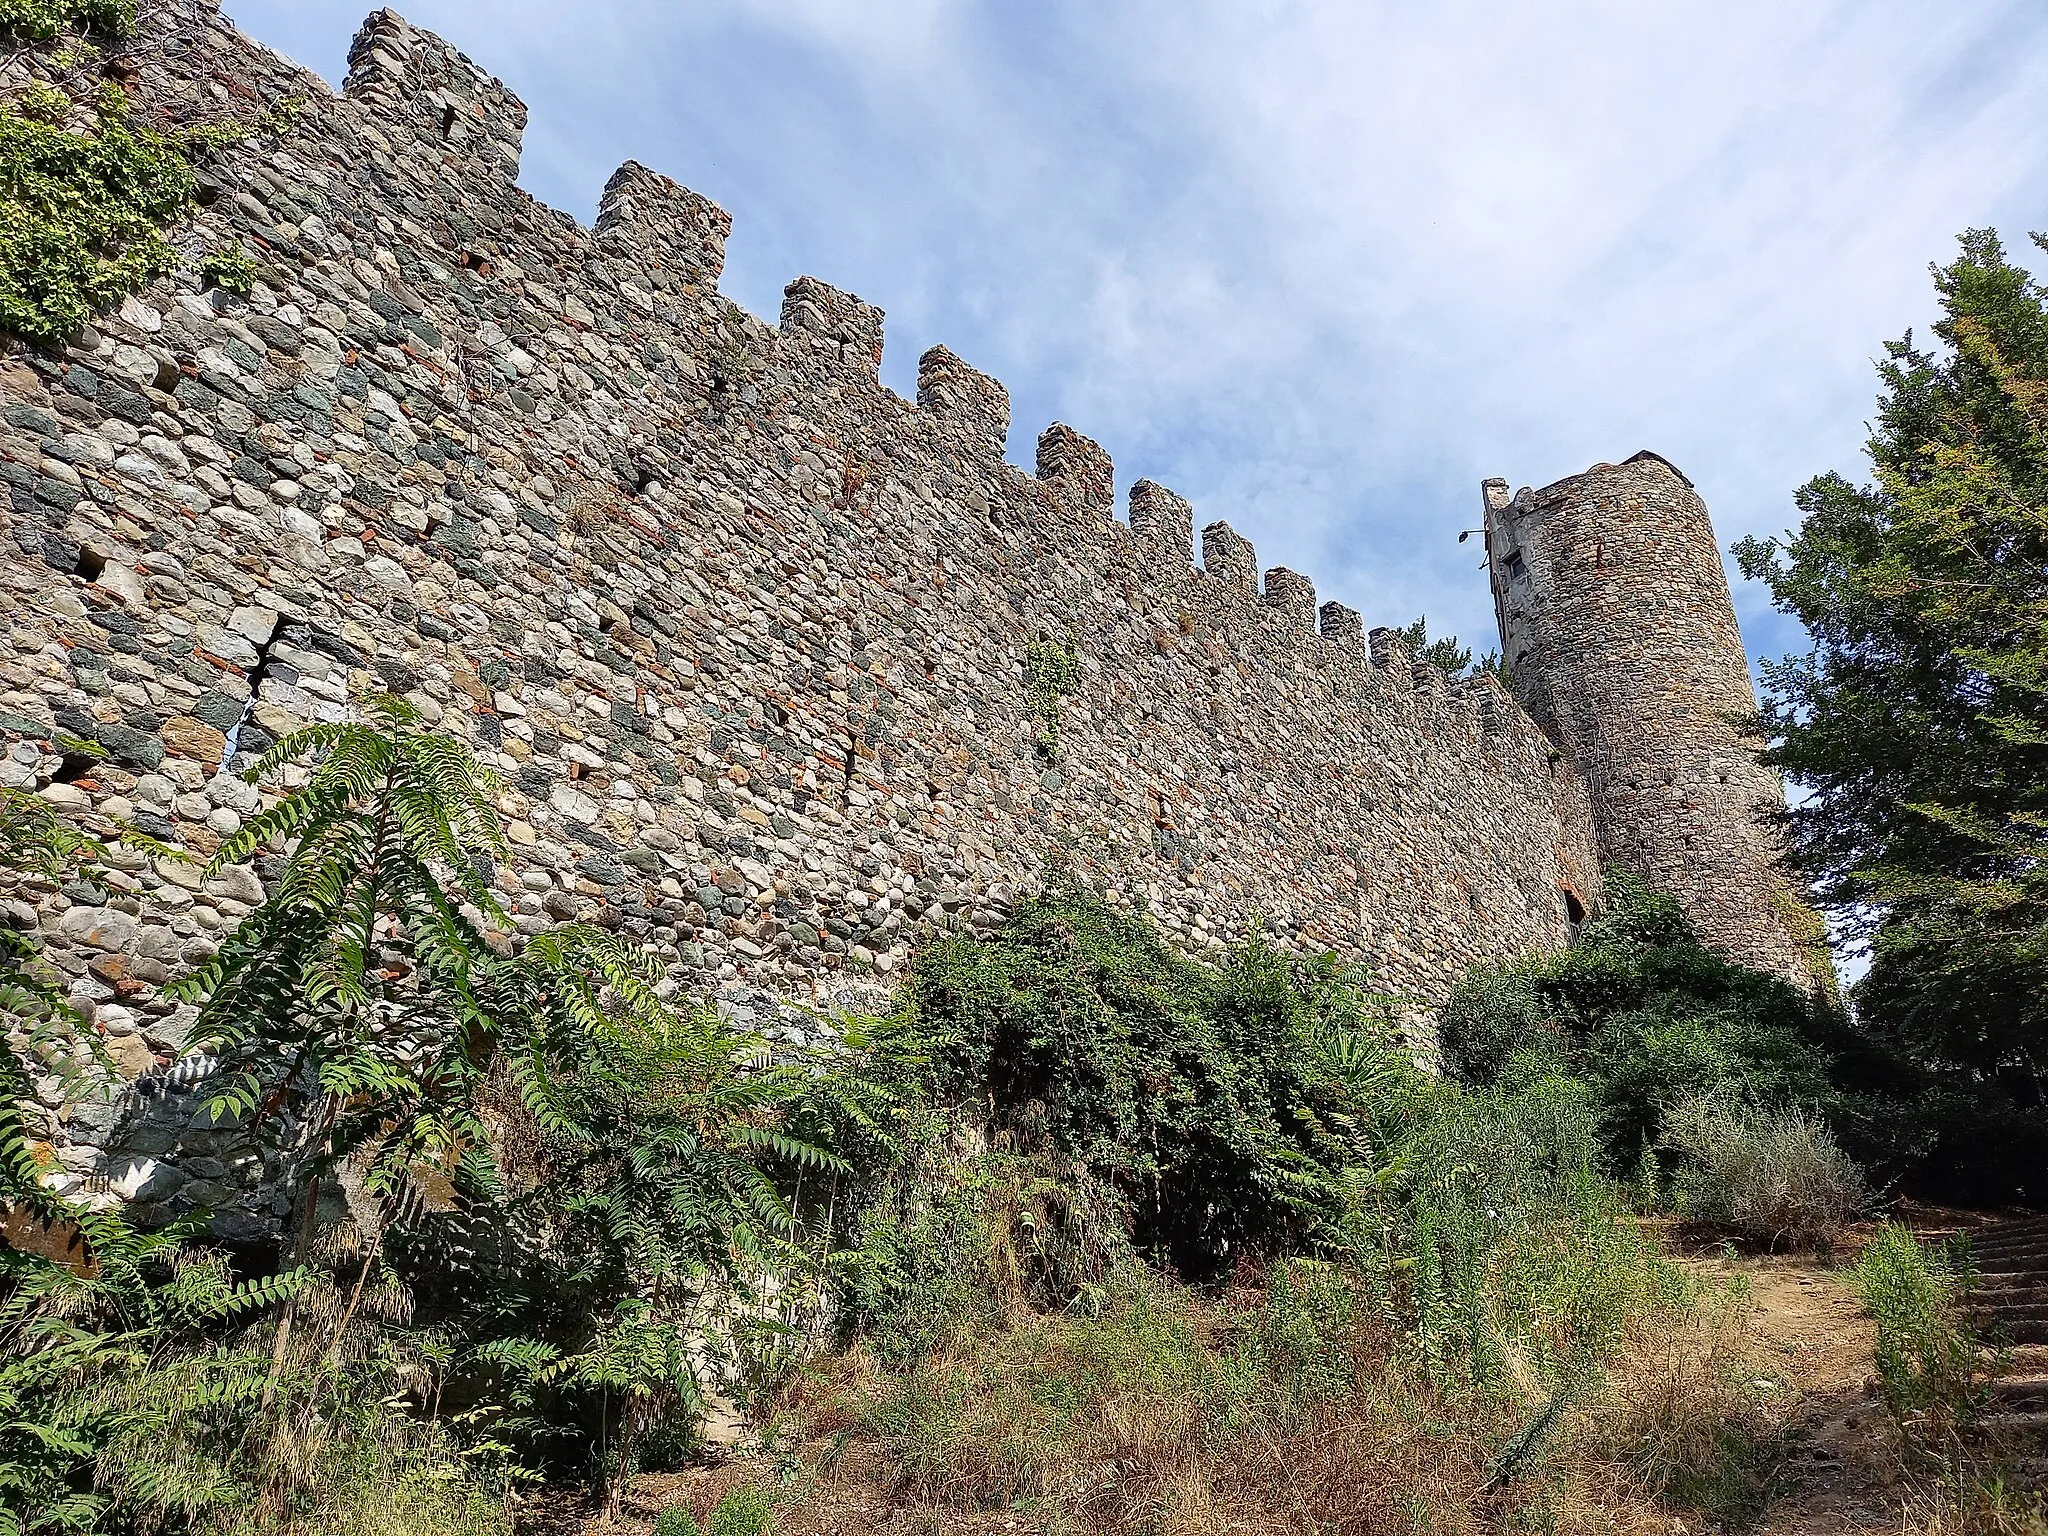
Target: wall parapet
(748,635)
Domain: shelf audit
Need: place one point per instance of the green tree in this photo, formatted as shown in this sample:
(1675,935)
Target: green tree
(659,1217)
(343,1015)
(1917,726)
(1444,653)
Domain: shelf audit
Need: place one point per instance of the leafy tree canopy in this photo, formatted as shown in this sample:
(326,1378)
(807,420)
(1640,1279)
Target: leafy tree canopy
(1444,652)
(1918,723)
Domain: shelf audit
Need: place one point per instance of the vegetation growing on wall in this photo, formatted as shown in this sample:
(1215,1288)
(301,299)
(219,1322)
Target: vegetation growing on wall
(87,189)
(1051,669)
(1216,1104)
(44,21)
(82,214)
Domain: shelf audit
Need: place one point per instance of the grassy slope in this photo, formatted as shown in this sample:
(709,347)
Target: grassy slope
(1751,1409)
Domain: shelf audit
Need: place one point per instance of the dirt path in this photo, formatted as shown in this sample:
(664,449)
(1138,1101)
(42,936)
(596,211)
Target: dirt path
(1838,1457)
(1837,1467)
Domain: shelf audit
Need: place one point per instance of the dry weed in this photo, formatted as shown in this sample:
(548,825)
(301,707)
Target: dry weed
(1686,1422)
(1977,1506)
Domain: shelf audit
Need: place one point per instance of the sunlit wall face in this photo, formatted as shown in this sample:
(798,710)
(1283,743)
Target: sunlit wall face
(1324,267)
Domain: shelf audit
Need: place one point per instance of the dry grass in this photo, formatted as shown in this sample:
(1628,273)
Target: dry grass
(1688,1421)
(1177,1413)
(1162,1419)
(1978,1507)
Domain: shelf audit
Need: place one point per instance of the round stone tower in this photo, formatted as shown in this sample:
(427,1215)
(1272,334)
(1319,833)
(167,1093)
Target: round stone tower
(1619,637)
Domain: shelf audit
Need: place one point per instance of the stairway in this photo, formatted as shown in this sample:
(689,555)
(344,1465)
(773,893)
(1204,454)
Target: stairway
(2011,1307)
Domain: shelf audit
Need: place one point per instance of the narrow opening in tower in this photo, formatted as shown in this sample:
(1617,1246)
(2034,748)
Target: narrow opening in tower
(91,564)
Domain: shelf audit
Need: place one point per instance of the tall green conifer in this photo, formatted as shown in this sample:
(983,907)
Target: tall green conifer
(1918,723)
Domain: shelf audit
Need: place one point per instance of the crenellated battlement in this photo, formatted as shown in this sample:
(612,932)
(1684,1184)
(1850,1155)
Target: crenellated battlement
(406,75)
(1077,470)
(971,403)
(432,101)
(657,223)
(769,657)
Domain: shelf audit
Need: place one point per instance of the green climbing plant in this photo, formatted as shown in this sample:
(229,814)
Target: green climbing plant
(1051,668)
(82,214)
(84,206)
(231,270)
(44,21)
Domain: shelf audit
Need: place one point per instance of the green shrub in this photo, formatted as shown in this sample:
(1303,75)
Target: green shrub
(1926,1353)
(1648,1015)
(1216,1101)
(1253,1110)
(676,1520)
(744,1511)
(1767,1173)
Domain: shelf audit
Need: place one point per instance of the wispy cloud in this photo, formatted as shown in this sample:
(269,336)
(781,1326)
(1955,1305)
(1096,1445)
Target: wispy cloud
(1323,265)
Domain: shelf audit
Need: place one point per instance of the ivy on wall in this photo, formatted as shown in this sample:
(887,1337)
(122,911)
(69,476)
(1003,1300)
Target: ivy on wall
(1051,668)
(83,208)
(44,21)
(82,214)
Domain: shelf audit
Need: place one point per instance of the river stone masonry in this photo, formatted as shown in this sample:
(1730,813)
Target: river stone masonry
(1619,635)
(750,636)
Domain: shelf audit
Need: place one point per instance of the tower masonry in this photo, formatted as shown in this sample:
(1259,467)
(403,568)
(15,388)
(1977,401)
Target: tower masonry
(1619,637)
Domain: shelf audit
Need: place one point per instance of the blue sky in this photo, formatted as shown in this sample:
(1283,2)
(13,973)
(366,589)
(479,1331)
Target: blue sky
(1322,266)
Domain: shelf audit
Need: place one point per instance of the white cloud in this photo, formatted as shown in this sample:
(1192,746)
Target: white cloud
(1323,265)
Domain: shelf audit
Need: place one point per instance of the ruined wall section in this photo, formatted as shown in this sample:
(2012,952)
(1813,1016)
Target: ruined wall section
(1620,636)
(746,632)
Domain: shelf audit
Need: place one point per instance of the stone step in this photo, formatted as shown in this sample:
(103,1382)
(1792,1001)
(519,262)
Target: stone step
(2015,1264)
(2015,1304)
(2018,1311)
(2007,1240)
(2024,1394)
(2018,1264)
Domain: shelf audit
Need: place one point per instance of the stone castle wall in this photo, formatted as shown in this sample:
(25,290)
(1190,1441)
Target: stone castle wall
(1619,635)
(748,634)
